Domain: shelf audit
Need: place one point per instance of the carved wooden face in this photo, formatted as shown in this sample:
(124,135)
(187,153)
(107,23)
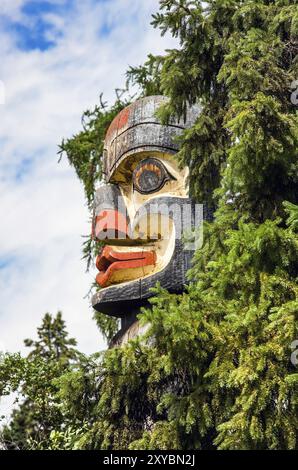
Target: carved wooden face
(139,219)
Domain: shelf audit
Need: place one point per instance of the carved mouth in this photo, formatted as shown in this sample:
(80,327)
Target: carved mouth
(111,261)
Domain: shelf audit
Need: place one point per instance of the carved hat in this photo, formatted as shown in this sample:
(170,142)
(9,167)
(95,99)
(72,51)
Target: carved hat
(136,128)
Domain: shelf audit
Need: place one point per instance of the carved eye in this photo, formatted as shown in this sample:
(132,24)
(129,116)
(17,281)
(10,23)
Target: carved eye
(150,176)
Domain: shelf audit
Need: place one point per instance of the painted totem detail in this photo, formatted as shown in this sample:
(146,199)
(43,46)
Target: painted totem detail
(142,209)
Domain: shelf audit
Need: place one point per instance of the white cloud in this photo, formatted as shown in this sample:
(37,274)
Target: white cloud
(11,8)
(42,209)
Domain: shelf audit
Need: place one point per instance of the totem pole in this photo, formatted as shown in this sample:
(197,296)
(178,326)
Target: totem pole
(141,212)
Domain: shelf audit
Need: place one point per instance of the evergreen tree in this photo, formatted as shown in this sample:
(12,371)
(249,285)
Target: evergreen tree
(31,378)
(214,370)
(217,373)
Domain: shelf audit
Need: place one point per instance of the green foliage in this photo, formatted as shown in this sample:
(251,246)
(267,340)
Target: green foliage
(292,210)
(238,59)
(214,369)
(84,150)
(53,341)
(31,378)
(107,325)
(147,77)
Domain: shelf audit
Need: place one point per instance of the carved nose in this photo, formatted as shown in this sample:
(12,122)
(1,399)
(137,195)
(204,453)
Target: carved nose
(110,224)
(110,216)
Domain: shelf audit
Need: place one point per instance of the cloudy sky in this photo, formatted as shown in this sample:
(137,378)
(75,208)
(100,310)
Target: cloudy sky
(56,57)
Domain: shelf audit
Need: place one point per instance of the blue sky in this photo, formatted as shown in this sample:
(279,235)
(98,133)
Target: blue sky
(57,56)
(31,29)
(34,30)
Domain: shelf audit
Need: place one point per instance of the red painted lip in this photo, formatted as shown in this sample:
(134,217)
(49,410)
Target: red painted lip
(110,261)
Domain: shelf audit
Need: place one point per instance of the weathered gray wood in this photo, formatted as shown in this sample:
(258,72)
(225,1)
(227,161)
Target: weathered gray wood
(136,128)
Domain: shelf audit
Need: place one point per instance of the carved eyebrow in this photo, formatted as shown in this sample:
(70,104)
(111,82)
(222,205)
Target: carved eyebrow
(148,166)
(153,165)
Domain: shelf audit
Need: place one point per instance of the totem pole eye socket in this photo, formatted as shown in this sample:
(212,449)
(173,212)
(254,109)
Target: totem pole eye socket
(150,176)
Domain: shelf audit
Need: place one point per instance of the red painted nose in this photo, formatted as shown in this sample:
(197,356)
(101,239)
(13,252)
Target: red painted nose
(110,225)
